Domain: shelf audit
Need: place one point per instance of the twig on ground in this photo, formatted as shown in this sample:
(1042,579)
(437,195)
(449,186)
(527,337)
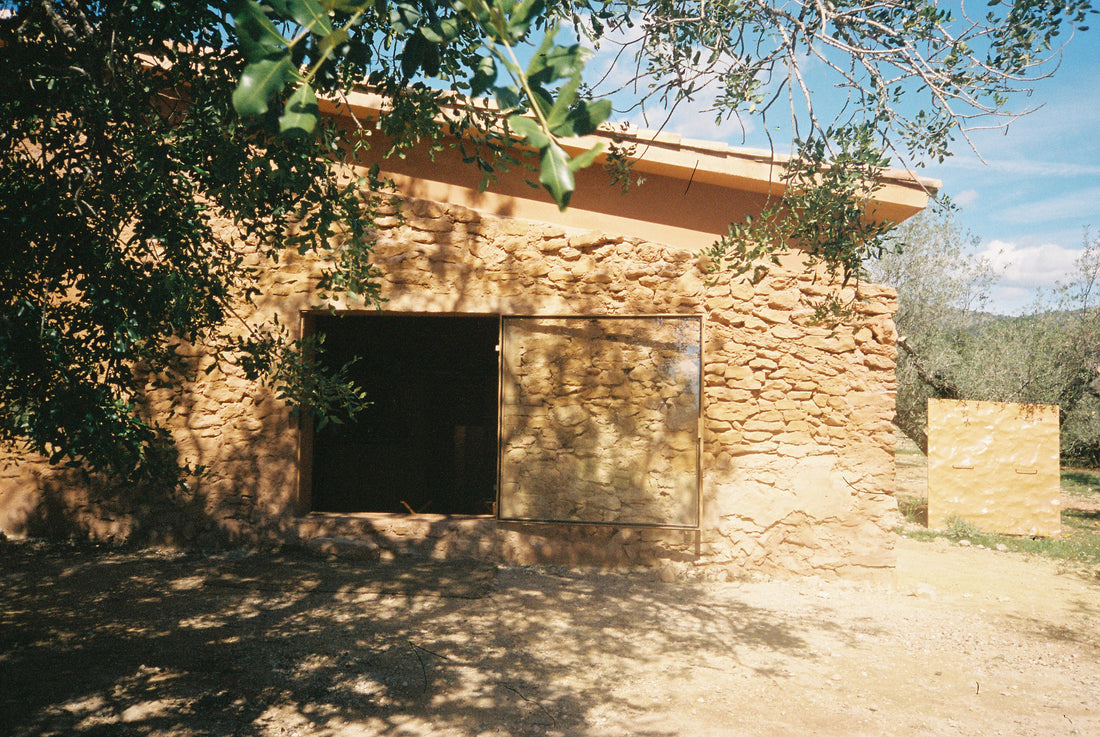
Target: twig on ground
(423,668)
(429,652)
(517,692)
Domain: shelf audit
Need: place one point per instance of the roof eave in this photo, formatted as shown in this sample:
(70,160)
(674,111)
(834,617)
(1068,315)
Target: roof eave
(899,194)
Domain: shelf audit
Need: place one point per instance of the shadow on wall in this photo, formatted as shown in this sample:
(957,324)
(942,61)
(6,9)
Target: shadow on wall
(437,260)
(248,479)
(451,260)
(600,418)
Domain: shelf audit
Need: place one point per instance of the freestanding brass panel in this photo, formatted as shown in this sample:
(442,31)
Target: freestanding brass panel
(995,465)
(600,420)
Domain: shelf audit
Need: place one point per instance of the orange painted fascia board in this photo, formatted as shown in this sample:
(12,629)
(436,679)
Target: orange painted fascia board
(900,194)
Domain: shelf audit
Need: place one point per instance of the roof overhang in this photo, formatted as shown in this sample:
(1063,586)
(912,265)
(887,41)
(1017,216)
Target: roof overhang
(693,190)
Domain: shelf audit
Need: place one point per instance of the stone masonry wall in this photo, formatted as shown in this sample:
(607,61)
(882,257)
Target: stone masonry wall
(797,463)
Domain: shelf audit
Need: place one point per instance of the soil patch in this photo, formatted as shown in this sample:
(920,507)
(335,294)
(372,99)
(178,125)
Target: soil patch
(968,641)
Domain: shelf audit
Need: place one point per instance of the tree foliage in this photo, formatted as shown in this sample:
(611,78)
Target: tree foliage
(1073,362)
(822,213)
(915,75)
(943,289)
(293,48)
(953,348)
(123,163)
(132,128)
(920,73)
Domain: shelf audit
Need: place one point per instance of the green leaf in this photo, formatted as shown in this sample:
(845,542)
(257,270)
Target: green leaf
(529,130)
(419,53)
(334,39)
(521,16)
(539,69)
(441,31)
(586,117)
(585,158)
(551,63)
(346,6)
(404,17)
(259,81)
(310,15)
(507,98)
(558,115)
(555,174)
(300,113)
(259,39)
(484,76)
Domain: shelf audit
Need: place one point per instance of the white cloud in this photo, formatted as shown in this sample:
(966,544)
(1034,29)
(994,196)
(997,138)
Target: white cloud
(1012,300)
(1083,204)
(1030,267)
(1020,166)
(1028,273)
(965,198)
(694,120)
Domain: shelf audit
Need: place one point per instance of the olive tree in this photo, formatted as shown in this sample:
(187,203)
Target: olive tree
(942,288)
(121,150)
(952,348)
(1078,355)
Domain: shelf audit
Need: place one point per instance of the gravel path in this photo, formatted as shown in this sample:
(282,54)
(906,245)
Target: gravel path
(966,642)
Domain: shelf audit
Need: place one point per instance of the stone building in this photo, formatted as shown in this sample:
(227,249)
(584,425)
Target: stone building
(550,387)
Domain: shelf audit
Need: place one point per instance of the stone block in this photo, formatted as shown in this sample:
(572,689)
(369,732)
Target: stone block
(786,331)
(771,316)
(755,426)
(878,363)
(465,215)
(729,412)
(763,363)
(785,299)
(742,290)
(719,303)
(430,225)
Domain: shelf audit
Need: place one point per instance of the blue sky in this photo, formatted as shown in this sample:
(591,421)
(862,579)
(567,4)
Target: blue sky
(1032,198)
(1039,187)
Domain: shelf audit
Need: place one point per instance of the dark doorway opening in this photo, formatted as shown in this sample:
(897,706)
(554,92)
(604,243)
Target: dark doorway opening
(428,442)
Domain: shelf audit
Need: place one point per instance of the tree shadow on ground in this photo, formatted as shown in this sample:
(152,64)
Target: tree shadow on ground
(143,643)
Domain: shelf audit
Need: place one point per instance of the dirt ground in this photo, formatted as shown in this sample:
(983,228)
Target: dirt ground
(967,641)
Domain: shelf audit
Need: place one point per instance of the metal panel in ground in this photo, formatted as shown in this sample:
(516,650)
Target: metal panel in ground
(995,465)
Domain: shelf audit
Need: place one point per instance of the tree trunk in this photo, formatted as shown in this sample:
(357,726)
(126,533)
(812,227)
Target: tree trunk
(943,387)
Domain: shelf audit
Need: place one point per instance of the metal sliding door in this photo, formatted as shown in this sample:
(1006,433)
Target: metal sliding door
(599,420)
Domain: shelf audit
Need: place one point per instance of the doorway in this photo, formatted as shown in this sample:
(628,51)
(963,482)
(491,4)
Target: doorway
(428,441)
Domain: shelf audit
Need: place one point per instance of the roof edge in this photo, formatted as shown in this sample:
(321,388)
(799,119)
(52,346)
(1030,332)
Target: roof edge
(900,193)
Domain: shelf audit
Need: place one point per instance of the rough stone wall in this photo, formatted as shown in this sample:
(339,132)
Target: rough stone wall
(599,420)
(799,445)
(797,464)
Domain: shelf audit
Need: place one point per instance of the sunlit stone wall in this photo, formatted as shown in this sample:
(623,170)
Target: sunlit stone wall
(796,444)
